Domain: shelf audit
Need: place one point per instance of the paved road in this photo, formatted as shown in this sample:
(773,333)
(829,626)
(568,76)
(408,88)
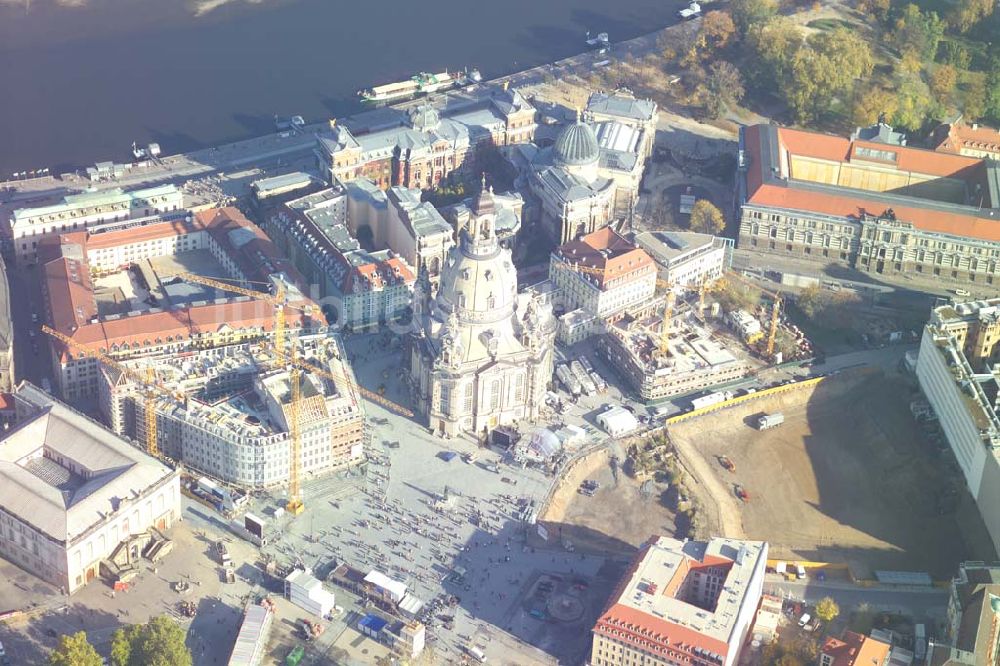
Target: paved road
(920,603)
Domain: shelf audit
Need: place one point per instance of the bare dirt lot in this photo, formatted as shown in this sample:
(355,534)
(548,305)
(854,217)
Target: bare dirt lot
(846,478)
(617,519)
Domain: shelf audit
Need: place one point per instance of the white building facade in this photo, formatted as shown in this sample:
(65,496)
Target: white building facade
(72,491)
(960,394)
(687,260)
(29,226)
(602,273)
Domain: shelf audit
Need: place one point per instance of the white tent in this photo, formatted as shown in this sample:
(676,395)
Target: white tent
(617,421)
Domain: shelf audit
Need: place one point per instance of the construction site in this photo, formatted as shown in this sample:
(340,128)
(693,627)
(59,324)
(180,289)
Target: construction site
(231,412)
(194,339)
(845,478)
(666,347)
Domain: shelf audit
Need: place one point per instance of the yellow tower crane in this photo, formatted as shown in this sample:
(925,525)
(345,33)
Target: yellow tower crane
(705,287)
(295,505)
(147,380)
(668,315)
(772,333)
(279,301)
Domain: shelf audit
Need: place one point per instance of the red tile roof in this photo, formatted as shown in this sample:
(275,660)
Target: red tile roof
(252,250)
(841,149)
(71,302)
(182,323)
(649,632)
(377,275)
(153,231)
(855,650)
(609,254)
(853,207)
(764,190)
(952,138)
(69,294)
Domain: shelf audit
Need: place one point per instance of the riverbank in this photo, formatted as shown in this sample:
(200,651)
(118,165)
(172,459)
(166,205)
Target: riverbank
(269,148)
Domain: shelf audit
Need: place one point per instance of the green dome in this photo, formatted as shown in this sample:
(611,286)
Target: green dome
(576,145)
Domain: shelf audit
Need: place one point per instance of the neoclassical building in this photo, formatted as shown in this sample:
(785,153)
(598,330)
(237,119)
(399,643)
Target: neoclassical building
(575,199)
(592,174)
(481,353)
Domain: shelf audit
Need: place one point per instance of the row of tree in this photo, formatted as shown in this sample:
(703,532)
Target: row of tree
(159,642)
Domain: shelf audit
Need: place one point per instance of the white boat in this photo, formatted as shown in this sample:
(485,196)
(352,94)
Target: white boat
(422,83)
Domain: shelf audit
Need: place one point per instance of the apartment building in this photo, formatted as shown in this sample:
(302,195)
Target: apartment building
(601,274)
(682,602)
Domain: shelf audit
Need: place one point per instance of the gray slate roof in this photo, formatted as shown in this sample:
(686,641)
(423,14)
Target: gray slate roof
(108,471)
(621,106)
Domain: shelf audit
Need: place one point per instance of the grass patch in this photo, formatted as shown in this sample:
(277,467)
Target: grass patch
(830,24)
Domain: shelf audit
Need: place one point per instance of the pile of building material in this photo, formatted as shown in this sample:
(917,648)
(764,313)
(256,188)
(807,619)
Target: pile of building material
(308,593)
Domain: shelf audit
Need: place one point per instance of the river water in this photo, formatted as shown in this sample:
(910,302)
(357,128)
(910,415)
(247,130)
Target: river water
(81,79)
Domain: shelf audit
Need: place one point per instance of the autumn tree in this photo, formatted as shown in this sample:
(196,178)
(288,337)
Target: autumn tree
(916,33)
(774,46)
(716,31)
(974,99)
(913,103)
(827,609)
(872,102)
(723,88)
(159,642)
(993,89)
(826,67)
(942,83)
(877,8)
(74,650)
(955,54)
(706,218)
(749,13)
(965,14)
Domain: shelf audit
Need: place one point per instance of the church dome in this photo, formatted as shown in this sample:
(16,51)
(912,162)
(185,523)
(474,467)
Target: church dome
(576,145)
(479,286)
(424,117)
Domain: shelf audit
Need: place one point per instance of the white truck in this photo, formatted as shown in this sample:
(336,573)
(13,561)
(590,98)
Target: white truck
(711,399)
(768,421)
(691,11)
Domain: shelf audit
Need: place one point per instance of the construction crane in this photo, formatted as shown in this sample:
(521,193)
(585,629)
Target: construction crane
(147,380)
(303,364)
(705,287)
(772,333)
(279,300)
(295,505)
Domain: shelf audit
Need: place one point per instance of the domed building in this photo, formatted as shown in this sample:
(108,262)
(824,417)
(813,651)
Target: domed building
(482,352)
(575,198)
(592,173)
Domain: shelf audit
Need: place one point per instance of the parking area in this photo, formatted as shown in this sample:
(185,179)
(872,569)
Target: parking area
(846,478)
